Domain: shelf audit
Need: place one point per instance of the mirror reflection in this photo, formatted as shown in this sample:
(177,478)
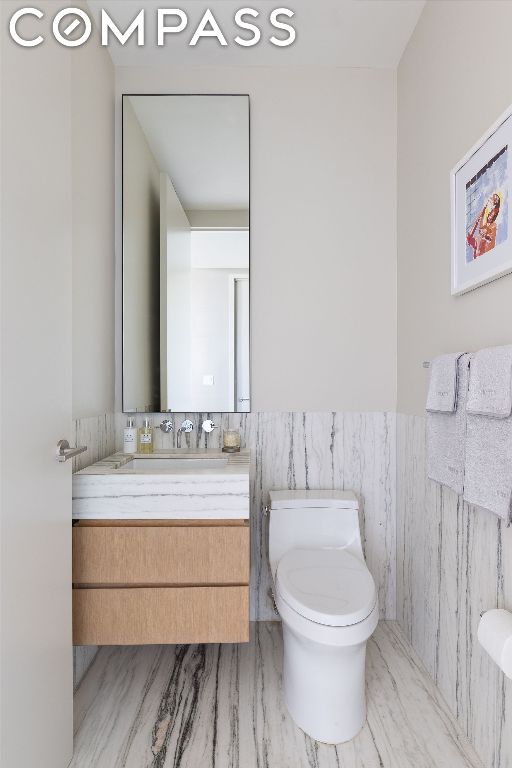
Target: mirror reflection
(186,253)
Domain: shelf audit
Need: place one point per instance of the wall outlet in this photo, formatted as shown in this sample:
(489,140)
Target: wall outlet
(208,380)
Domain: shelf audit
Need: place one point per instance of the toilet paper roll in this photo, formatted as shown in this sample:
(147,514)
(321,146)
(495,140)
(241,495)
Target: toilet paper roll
(495,636)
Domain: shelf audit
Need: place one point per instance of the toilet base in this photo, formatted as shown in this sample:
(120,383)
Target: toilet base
(324,687)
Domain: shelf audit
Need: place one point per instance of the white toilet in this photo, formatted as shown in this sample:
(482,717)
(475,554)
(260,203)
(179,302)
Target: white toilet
(327,601)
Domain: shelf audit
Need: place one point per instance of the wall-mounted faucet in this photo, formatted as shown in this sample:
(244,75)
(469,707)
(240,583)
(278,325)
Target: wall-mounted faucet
(186,426)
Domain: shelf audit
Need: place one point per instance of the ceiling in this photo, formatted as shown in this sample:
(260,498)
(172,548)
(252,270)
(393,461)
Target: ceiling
(208,174)
(334,33)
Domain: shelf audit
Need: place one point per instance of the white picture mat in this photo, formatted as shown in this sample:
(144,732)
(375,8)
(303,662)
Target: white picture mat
(467,276)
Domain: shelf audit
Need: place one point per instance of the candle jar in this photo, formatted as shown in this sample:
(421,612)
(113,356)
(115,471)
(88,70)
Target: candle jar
(231,441)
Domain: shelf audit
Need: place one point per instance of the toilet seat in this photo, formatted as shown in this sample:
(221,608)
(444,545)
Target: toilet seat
(327,586)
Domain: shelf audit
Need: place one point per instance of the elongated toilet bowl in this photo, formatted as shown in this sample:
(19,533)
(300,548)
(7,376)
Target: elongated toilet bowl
(327,601)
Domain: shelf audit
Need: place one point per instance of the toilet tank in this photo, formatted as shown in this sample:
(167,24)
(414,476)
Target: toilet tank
(312,519)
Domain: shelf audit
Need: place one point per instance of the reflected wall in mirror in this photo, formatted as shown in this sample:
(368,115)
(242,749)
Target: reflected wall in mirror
(186,253)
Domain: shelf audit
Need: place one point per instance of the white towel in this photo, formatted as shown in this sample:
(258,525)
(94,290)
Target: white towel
(442,389)
(446,433)
(490,386)
(488,474)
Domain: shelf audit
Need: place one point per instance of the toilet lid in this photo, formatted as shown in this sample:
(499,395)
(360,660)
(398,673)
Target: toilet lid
(327,586)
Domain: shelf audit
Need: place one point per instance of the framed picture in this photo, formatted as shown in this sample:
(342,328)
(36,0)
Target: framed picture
(481,188)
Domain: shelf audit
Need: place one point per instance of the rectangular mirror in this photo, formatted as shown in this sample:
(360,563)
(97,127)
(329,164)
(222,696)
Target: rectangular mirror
(186,341)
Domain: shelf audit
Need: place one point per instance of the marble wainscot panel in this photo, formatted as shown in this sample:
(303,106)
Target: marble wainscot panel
(453,562)
(114,488)
(308,450)
(98,433)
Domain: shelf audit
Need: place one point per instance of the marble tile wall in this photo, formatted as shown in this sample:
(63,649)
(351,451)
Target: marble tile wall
(453,562)
(311,450)
(98,433)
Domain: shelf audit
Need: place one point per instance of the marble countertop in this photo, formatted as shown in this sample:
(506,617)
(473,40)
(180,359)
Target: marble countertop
(237,463)
(111,489)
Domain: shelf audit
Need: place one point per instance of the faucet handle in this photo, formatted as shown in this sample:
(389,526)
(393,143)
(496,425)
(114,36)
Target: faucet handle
(166,425)
(208,426)
(186,426)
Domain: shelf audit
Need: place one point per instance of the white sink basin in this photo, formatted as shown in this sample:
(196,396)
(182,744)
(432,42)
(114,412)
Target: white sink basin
(173,464)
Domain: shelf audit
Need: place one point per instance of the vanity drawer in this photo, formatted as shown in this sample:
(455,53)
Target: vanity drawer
(160,554)
(144,616)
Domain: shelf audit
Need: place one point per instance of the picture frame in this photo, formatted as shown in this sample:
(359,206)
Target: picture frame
(481,210)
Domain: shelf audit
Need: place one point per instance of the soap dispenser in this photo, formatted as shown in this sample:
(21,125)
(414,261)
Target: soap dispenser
(146,437)
(130,437)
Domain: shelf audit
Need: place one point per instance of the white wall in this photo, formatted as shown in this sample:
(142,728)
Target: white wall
(210,339)
(141,233)
(219,248)
(92,178)
(323,229)
(195,308)
(218,219)
(453,83)
(217,256)
(175,299)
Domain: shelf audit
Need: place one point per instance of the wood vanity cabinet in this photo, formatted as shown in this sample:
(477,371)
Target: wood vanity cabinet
(138,582)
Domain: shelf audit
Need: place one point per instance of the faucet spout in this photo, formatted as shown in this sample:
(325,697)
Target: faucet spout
(186,426)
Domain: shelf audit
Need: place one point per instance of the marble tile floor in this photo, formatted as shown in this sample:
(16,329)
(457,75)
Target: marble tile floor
(221,707)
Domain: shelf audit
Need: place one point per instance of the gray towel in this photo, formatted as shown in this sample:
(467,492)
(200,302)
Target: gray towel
(488,477)
(445,436)
(490,386)
(442,389)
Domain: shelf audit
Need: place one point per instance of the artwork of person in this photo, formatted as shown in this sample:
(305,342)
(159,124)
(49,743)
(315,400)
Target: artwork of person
(482,235)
